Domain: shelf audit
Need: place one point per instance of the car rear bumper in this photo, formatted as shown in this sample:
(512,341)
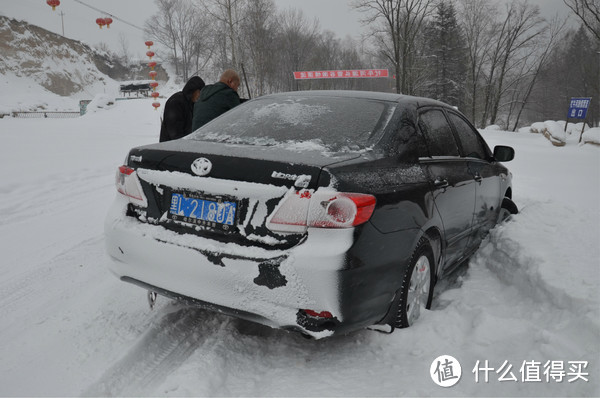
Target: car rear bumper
(271,287)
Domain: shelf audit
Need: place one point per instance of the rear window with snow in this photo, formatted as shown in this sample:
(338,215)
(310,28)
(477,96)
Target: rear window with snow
(336,124)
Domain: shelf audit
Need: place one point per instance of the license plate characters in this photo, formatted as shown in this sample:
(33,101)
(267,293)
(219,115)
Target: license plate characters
(202,211)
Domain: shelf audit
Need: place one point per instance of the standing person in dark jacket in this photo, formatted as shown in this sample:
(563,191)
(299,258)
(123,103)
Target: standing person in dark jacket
(217,99)
(179,109)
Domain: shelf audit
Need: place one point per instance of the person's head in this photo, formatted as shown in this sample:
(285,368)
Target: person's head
(231,78)
(192,88)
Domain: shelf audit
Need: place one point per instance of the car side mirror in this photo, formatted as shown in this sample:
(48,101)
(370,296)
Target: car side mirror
(504,153)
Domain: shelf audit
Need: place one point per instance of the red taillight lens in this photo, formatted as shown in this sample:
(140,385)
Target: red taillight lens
(126,170)
(128,184)
(315,314)
(345,210)
(326,209)
(365,205)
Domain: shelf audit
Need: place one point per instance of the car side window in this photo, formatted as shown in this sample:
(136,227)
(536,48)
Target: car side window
(438,133)
(469,139)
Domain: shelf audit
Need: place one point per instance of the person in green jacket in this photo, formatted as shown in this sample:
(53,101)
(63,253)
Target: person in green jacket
(216,99)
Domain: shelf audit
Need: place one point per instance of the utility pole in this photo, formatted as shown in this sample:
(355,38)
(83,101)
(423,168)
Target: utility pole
(598,92)
(62,19)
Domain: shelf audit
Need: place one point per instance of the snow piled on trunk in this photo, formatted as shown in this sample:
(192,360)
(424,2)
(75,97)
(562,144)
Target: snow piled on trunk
(531,293)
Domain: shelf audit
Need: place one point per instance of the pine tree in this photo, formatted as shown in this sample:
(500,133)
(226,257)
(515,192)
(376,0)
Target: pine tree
(445,56)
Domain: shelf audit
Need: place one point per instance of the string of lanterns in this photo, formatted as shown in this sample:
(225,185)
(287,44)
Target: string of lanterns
(53,3)
(99,21)
(104,21)
(152,74)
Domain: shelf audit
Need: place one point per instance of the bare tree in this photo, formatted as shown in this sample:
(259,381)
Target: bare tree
(124,53)
(514,38)
(477,22)
(545,47)
(589,12)
(352,56)
(161,28)
(395,25)
(259,31)
(524,26)
(230,13)
(183,31)
(295,43)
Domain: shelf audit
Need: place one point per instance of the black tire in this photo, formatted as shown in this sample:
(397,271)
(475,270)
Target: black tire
(409,302)
(507,209)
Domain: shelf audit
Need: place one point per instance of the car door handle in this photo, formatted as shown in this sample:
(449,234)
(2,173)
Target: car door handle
(440,182)
(478,177)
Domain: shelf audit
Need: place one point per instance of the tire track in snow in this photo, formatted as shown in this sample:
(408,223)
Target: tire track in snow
(18,290)
(519,261)
(161,351)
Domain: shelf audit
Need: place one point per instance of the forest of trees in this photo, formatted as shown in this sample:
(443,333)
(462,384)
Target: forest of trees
(498,62)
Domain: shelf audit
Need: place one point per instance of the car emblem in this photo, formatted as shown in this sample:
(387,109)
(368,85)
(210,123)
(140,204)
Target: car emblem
(201,166)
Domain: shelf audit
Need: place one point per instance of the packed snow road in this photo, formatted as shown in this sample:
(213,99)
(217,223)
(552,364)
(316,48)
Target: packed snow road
(527,303)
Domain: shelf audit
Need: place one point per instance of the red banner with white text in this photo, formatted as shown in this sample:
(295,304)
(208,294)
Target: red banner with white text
(340,74)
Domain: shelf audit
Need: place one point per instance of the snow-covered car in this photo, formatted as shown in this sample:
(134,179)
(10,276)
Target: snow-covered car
(320,212)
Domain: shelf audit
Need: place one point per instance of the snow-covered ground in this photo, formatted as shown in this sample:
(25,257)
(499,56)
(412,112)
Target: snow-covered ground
(530,296)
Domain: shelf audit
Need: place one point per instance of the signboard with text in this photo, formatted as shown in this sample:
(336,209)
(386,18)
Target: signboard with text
(578,108)
(340,74)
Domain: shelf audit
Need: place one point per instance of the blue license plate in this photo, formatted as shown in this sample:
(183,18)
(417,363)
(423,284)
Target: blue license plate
(195,210)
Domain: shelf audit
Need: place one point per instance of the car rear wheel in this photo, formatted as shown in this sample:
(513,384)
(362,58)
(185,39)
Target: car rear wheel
(416,292)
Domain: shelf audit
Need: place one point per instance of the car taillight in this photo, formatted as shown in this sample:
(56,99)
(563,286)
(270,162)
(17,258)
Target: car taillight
(344,210)
(322,209)
(128,184)
(315,314)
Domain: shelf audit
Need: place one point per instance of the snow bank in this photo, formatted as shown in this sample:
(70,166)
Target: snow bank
(538,127)
(591,136)
(556,133)
(493,127)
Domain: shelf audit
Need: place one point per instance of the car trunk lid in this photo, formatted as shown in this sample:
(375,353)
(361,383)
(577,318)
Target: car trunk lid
(243,186)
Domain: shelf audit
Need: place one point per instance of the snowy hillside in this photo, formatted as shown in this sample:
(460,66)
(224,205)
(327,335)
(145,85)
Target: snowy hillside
(40,70)
(528,303)
(34,56)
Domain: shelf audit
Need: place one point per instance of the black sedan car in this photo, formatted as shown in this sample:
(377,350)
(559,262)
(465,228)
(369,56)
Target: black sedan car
(320,212)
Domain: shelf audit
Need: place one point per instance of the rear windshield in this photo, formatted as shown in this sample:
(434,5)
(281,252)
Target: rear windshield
(329,124)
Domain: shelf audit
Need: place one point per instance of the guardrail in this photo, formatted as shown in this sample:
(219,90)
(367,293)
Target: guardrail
(44,114)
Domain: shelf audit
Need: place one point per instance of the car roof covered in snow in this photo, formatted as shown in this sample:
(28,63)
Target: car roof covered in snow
(370,95)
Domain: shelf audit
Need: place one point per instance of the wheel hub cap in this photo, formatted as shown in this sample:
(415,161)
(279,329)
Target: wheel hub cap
(418,290)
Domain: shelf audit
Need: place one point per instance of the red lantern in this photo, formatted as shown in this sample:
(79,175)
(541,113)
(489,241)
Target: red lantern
(152,65)
(150,54)
(101,22)
(108,21)
(149,44)
(153,85)
(156,105)
(152,74)
(154,94)
(53,3)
